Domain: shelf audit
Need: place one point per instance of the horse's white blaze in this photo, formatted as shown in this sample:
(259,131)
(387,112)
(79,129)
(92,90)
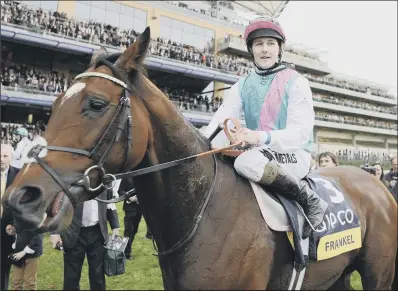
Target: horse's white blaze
(37,141)
(73,90)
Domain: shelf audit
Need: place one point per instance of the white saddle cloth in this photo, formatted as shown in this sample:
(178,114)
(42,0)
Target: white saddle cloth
(273,212)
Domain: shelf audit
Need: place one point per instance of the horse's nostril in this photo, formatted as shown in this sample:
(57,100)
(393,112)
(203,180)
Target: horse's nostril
(31,194)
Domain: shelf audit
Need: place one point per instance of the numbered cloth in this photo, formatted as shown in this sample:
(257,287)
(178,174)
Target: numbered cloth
(340,230)
(114,259)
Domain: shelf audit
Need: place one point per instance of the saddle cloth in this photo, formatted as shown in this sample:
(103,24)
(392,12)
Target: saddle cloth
(339,232)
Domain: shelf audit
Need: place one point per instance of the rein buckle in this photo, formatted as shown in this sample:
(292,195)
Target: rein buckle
(85,181)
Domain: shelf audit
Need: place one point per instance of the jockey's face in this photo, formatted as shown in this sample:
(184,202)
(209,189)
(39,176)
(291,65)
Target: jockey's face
(265,52)
(326,162)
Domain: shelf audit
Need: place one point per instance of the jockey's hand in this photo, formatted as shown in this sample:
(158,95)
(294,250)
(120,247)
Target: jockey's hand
(246,136)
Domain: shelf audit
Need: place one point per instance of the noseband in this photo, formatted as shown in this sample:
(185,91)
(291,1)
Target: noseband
(120,122)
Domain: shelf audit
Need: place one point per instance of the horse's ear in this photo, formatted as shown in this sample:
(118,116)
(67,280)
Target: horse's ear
(133,57)
(97,54)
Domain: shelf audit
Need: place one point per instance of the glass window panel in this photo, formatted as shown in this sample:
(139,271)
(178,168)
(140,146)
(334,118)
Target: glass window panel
(125,22)
(209,33)
(188,39)
(175,24)
(98,4)
(140,14)
(112,18)
(139,25)
(127,10)
(195,41)
(165,21)
(198,30)
(97,14)
(201,43)
(181,25)
(176,35)
(188,28)
(165,32)
(113,6)
(82,11)
(49,5)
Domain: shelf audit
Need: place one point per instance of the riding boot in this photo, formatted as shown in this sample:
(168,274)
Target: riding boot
(291,187)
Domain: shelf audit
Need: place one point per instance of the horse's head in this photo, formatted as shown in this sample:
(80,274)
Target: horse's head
(99,123)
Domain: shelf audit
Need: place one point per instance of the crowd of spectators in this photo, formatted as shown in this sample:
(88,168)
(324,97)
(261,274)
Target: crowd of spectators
(304,54)
(358,153)
(329,80)
(8,130)
(232,17)
(20,76)
(60,25)
(354,120)
(101,33)
(361,104)
(187,101)
(184,53)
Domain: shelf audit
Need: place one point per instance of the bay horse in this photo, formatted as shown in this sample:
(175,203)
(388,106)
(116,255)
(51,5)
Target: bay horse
(113,118)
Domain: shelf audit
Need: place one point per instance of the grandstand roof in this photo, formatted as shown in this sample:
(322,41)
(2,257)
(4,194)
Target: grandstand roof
(301,48)
(359,81)
(263,8)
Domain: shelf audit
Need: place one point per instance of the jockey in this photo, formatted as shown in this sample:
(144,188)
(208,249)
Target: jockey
(279,115)
(23,143)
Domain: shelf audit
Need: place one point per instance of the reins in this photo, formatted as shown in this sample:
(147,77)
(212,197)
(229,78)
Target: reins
(170,164)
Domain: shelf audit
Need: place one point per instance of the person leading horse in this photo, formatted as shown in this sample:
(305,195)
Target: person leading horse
(279,114)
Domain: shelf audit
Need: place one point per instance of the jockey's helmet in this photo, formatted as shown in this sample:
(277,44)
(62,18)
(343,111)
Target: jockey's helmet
(21,131)
(264,27)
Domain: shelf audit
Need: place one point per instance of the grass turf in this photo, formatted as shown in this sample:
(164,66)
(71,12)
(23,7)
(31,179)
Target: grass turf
(142,273)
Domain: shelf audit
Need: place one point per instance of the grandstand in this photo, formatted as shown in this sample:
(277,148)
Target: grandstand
(196,54)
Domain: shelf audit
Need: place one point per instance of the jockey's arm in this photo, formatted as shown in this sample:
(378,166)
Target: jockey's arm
(231,107)
(300,120)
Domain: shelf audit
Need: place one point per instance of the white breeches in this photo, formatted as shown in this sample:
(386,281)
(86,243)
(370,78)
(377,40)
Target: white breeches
(251,163)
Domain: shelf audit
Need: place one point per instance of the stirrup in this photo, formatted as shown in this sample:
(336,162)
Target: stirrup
(305,216)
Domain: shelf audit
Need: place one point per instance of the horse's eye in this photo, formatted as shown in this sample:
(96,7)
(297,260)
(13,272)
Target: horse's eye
(97,105)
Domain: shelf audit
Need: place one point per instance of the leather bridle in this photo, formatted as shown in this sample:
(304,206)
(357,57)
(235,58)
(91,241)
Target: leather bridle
(120,122)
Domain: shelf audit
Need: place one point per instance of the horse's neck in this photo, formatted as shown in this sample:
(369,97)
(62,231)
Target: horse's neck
(172,197)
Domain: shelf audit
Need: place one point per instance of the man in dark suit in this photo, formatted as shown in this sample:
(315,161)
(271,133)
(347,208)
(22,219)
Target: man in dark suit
(132,217)
(87,234)
(8,174)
